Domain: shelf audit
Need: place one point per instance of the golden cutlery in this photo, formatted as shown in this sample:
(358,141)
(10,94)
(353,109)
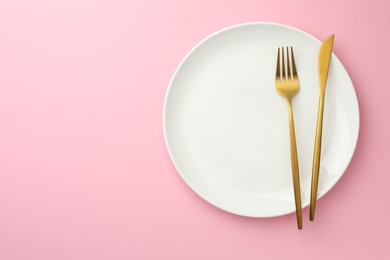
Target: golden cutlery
(323,69)
(287,85)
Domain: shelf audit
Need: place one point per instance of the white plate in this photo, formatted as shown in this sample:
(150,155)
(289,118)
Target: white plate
(226,127)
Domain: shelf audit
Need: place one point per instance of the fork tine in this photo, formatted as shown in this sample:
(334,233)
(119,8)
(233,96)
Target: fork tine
(283,69)
(278,65)
(289,76)
(294,69)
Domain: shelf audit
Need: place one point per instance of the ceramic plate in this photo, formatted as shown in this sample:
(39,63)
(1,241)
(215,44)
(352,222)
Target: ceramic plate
(226,127)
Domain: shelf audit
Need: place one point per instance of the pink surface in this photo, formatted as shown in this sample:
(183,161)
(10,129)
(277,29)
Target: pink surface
(84,172)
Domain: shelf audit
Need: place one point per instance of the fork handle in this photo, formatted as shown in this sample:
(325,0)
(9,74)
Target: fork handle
(294,166)
(316,159)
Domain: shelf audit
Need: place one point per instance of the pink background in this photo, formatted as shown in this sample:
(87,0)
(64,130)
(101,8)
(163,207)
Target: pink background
(84,172)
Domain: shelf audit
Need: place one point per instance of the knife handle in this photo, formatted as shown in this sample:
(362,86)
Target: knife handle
(294,166)
(316,159)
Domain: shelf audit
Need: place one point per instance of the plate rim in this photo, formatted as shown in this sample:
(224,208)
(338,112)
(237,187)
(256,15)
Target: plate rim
(173,78)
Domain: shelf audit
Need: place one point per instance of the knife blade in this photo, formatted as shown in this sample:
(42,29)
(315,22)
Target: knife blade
(324,59)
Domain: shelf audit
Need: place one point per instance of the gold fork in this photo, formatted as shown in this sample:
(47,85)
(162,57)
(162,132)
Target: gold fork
(287,85)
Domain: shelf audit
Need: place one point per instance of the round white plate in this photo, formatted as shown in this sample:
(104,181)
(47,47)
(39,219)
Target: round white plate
(226,127)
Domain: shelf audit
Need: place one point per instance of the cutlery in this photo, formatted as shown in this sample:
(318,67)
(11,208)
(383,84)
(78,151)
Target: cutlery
(323,69)
(287,85)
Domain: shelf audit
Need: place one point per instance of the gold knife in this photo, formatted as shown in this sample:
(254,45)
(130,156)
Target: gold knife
(323,69)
